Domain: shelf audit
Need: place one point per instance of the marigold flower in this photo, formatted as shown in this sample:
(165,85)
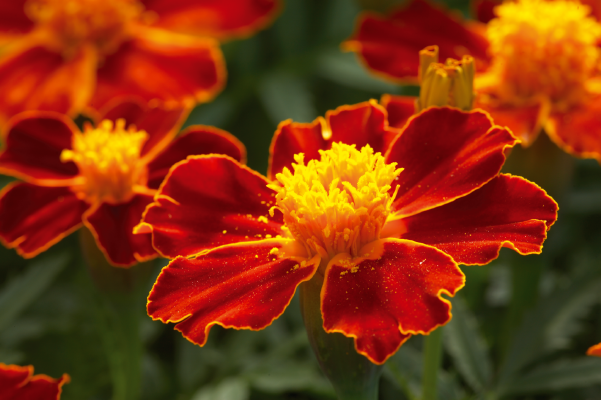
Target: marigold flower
(19,383)
(594,350)
(102,177)
(76,55)
(382,215)
(536,62)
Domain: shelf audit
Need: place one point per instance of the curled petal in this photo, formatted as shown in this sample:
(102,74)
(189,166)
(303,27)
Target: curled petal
(195,140)
(209,201)
(399,108)
(175,69)
(508,212)
(578,131)
(19,383)
(112,226)
(34,145)
(594,350)
(446,154)
(394,292)
(33,218)
(161,124)
(390,45)
(35,78)
(221,19)
(241,286)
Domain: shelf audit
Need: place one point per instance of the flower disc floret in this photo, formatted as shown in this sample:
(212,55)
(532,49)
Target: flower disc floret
(109,161)
(544,49)
(339,203)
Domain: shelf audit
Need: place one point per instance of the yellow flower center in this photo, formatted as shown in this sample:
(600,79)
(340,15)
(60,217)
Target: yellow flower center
(339,203)
(544,49)
(108,158)
(71,24)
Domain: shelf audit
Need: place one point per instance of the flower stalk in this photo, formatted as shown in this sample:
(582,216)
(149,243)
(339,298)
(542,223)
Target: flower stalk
(432,360)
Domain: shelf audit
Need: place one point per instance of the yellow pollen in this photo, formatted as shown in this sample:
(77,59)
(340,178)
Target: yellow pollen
(543,50)
(336,204)
(70,24)
(108,158)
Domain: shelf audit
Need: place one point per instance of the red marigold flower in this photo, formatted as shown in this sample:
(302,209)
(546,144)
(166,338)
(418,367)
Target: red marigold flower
(104,176)
(381,215)
(536,61)
(19,383)
(594,350)
(66,55)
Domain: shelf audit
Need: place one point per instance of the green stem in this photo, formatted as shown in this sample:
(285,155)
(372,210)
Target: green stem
(120,302)
(432,360)
(353,376)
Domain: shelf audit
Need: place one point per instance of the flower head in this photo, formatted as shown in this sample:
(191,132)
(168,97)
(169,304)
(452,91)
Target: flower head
(380,216)
(71,56)
(536,63)
(20,383)
(102,177)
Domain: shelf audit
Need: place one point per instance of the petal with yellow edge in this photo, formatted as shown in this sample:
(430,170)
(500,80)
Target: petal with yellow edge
(195,140)
(221,19)
(34,143)
(36,78)
(159,65)
(578,131)
(112,226)
(391,293)
(33,218)
(390,46)
(209,201)
(594,350)
(161,124)
(508,212)
(446,154)
(242,286)
(19,383)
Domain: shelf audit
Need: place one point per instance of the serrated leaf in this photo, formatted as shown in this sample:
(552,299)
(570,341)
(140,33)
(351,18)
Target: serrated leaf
(284,96)
(466,345)
(581,372)
(19,293)
(228,389)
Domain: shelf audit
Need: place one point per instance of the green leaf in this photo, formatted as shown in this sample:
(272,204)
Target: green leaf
(467,347)
(292,376)
(581,372)
(228,389)
(19,293)
(284,96)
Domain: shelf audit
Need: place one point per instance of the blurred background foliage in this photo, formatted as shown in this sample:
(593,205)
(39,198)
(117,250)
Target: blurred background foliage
(521,326)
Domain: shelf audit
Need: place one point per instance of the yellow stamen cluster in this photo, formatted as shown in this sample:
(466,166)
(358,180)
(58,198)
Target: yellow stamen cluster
(69,24)
(339,203)
(108,158)
(448,84)
(544,49)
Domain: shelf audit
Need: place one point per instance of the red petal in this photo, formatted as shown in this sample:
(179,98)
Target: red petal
(37,79)
(508,212)
(13,20)
(220,19)
(176,69)
(392,294)
(578,131)
(484,10)
(292,138)
(196,140)
(209,201)
(112,225)
(524,122)
(33,218)
(359,124)
(446,154)
(390,45)
(19,383)
(594,350)
(160,123)
(241,286)
(34,143)
(399,108)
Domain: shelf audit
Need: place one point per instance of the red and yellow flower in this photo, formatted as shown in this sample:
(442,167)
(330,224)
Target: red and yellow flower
(537,63)
(19,383)
(76,55)
(381,216)
(102,177)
